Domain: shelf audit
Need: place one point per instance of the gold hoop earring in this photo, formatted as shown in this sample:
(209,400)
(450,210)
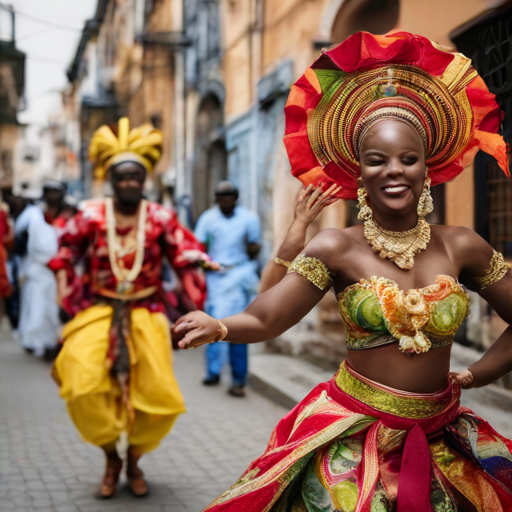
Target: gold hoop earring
(365,212)
(426,203)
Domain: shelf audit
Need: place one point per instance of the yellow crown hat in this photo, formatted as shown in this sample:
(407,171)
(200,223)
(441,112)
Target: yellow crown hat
(142,145)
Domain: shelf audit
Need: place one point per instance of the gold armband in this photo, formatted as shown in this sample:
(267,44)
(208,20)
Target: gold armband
(313,270)
(497,270)
(284,263)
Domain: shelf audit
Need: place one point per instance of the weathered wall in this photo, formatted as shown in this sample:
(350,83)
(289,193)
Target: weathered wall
(435,19)
(237,16)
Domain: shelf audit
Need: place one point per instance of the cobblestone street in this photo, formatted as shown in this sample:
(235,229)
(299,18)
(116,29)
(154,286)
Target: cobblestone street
(44,466)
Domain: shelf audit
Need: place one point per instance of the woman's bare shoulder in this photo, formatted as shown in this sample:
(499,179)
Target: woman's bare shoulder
(458,238)
(331,245)
(466,248)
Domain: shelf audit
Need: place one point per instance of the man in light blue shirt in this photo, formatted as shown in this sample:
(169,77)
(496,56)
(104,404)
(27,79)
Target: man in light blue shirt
(232,237)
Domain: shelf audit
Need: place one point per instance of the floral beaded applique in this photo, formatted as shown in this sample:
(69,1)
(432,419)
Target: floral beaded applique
(377,312)
(313,270)
(497,270)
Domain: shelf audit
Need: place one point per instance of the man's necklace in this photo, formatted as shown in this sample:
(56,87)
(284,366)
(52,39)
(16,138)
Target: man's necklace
(125,277)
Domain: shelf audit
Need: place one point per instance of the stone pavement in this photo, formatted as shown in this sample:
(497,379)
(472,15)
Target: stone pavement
(44,466)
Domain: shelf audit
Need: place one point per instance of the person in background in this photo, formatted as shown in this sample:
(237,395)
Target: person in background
(15,205)
(54,192)
(310,203)
(115,367)
(232,237)
(6,240)
(36,243)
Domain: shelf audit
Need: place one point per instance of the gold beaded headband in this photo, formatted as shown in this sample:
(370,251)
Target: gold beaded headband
(394,113)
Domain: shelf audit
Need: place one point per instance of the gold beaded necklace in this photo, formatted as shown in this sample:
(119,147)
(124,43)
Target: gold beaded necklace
(125,277)
(398,246)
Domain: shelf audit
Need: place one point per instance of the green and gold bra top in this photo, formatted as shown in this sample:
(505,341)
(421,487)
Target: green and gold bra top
(376,312)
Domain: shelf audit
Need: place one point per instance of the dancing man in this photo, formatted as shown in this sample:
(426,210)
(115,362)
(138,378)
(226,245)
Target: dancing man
(115,368)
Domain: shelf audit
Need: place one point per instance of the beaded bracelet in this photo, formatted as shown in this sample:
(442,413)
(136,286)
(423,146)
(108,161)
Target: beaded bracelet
(223,331)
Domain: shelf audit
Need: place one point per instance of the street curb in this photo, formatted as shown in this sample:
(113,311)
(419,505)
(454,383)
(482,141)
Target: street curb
(283,379)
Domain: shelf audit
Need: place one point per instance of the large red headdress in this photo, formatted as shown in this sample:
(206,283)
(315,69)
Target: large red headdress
(404,76)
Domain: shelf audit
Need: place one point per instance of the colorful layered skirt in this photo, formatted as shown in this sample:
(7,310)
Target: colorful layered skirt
(353,445)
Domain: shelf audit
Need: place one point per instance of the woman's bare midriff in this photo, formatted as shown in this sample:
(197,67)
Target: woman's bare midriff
(418,373)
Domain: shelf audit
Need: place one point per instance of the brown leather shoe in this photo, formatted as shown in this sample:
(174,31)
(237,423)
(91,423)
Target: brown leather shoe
(136,482)
(109,482)
(236,391)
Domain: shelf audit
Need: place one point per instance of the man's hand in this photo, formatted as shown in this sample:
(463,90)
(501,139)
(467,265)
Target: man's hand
(200,258)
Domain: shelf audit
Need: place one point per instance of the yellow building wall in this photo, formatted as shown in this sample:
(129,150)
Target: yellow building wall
(238,83)
(435,19)
(290,28)
(237,17)
(459,200)
(254,46)
(149,83)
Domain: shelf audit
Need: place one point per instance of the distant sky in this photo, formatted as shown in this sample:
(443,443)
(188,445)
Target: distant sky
(49,50)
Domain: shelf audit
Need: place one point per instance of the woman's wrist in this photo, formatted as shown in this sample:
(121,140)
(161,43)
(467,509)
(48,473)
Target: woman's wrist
(300,223)
(222,332)
(292,245)
(289,254)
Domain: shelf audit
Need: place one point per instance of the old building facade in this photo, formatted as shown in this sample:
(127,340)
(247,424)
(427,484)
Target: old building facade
(12,81)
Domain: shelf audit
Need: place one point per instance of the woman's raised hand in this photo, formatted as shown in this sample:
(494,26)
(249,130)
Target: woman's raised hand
(311,201)
(196,329)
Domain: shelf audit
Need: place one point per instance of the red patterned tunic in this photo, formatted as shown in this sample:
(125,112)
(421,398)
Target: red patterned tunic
(84,240)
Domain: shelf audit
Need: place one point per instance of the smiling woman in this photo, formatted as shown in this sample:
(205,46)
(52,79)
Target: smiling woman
(387,432)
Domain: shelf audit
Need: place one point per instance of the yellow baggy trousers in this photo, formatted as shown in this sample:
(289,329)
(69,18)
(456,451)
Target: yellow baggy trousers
(93,397)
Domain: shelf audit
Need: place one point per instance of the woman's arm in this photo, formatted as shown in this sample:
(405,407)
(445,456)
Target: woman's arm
(310,203)
(477,255)
(497,361)
(271,313)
